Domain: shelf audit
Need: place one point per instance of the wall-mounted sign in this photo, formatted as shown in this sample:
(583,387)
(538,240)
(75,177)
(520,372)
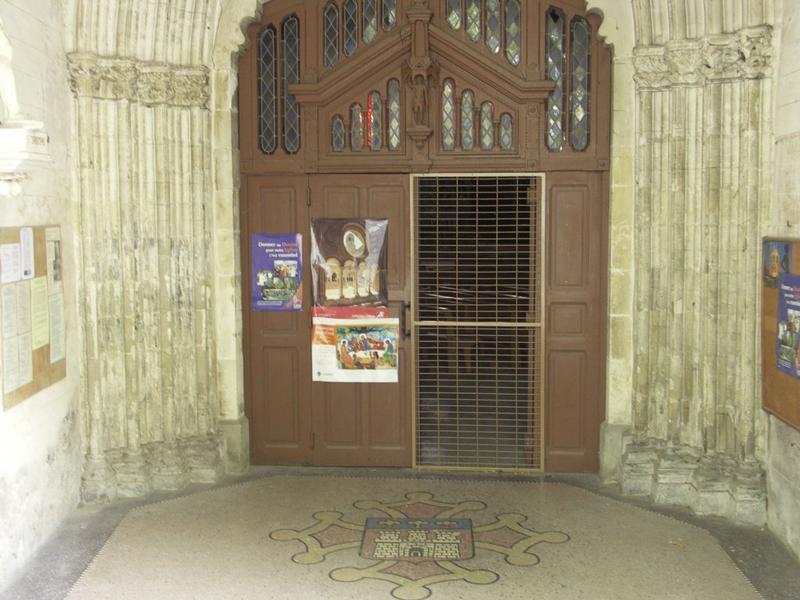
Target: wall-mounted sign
(355,350)
(277,271)
(777,259)
(788,342)
(348,262)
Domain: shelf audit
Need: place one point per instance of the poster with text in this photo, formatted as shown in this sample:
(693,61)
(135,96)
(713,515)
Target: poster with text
(348,262)
(355,350)
(777,261)
(277,271)
(788,342)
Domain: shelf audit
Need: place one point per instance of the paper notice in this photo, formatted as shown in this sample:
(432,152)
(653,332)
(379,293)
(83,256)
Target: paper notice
(23,306)
(52,238)
(8,302)
(25,359)
(10,263)
(40,319)
(56,327)
(10,364)
(26,239)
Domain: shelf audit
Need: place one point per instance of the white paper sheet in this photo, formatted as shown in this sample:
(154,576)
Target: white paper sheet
(25,359)
(52,238)
(56,327)
(10,364)
(10,263)
(23,306)
(8,305)
(40,318)
(28,262)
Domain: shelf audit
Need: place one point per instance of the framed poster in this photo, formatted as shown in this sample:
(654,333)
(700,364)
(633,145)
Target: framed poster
(277,271)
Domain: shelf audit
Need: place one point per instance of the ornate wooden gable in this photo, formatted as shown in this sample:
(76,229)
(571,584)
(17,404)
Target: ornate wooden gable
(424,85)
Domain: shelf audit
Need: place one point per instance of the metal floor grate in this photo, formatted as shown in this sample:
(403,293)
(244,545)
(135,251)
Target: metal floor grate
(478,322)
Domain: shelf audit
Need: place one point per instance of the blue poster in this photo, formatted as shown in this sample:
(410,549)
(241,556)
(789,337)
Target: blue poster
(789,325)
(277,271)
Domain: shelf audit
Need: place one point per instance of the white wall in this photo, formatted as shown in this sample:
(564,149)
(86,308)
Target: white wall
(783,453)
(39,438)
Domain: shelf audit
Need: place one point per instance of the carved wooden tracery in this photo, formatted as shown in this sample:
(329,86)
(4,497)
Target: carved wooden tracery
(481,59)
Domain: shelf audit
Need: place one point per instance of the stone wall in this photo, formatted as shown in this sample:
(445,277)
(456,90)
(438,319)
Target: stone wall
(40,447)
(145,150)
(782,218)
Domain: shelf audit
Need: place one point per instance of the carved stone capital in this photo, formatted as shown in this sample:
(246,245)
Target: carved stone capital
(136,81)
(745,54)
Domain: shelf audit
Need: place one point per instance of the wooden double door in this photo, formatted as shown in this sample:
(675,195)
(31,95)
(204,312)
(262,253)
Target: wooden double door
(294,420)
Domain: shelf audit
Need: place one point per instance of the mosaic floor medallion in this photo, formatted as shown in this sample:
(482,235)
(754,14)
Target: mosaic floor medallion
(420,542)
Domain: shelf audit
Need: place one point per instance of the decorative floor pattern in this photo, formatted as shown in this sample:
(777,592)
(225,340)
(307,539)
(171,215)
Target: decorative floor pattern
(418,543)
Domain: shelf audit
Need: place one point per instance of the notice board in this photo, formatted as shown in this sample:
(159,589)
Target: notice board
(780,329)
(32,338)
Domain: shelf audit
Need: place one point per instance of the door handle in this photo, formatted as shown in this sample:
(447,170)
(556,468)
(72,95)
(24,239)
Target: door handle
(405,331)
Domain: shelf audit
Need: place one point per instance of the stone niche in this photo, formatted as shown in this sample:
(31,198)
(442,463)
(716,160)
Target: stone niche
(23,142)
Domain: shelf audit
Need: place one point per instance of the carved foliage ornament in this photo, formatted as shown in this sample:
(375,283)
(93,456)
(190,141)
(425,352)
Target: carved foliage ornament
(746,54)
(148,83)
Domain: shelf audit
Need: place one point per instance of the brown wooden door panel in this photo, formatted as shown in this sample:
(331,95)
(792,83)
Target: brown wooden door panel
(575,321)
(366,424)
(278,365)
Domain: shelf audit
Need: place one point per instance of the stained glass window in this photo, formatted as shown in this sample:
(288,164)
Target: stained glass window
(467,120)
(337,133)
(554,62)
(493,25)
(389,14)
(393,108)
(513,23)
(331,42)
(375,121)
(506,131)
(369,20)
(267,94)
(350,27)
(473,23)
(487,126)
(579,99)
(454,13)
(356,128)
(290,46)
(448,115)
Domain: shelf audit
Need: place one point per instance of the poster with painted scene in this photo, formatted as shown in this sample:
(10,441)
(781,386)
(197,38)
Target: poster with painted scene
(355,350)
(788,342)
(777,261)
(277,271)
(348,262)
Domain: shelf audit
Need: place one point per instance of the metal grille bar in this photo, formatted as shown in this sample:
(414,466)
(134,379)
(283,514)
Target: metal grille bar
(478,322)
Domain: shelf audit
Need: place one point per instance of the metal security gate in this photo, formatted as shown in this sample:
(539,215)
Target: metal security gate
(478,322)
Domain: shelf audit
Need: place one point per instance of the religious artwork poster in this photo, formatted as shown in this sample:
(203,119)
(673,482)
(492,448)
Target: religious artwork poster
(788,342)
(777,261)
(355,350)
(277,271)
(348,262)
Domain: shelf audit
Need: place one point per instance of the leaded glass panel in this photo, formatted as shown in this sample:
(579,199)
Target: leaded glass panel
(467,120)
(389,14)
(356,128)
(350,27)
(330,54)
(448,115)
(473,20)
(393,107)
(554,62)
(454,13)
(337,133)
(487,126)
(375,120)
(290,46)
(267,94)
(506,131)
(369,20)
(493,25)
(513,32)
(579,99)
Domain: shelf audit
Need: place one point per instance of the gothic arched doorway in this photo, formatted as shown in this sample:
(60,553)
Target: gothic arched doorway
(480,129)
